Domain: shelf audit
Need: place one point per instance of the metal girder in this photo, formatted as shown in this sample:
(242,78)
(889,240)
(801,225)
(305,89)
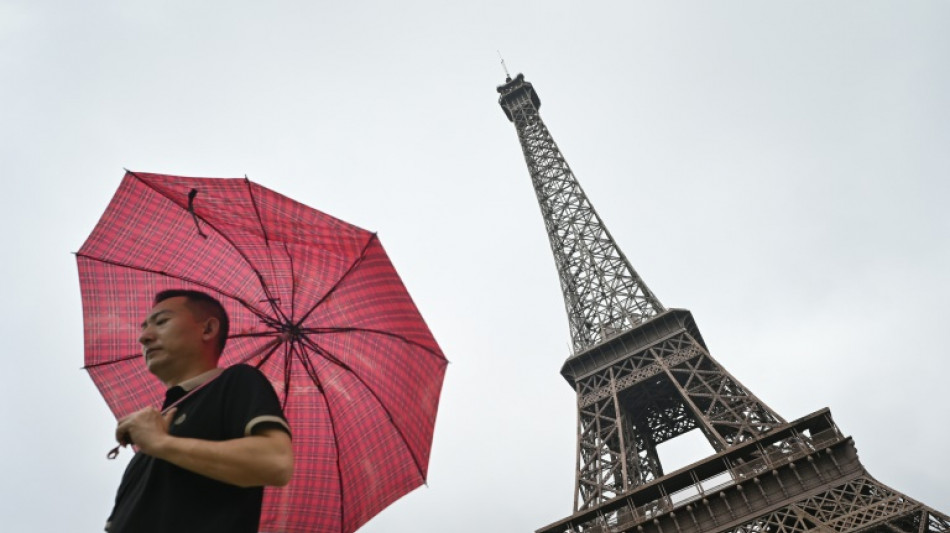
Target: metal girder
(803,477)
(649,397)
(603,294)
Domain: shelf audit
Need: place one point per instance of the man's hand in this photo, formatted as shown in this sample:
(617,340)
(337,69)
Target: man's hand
(146,428)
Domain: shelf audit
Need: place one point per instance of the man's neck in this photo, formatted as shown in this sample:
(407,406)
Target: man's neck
(188,375)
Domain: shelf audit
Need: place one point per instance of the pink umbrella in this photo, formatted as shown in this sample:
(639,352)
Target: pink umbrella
(314,303)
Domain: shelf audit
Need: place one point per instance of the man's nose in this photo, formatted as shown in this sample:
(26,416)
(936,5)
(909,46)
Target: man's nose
(147,336)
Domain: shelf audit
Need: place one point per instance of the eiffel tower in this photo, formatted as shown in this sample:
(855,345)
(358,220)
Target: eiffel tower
(643,375)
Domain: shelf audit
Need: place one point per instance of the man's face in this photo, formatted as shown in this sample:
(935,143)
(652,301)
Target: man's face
(171,338)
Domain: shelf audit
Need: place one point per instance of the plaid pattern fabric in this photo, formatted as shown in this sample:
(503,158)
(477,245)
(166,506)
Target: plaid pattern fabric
(355,365)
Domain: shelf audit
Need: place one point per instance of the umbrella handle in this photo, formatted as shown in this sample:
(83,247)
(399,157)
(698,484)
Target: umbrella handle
(113,453)
(191,209)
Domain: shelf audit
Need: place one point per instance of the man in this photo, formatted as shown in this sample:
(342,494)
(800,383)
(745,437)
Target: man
(203,460)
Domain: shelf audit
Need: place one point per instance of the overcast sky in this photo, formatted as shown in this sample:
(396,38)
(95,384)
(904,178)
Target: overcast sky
(779,168)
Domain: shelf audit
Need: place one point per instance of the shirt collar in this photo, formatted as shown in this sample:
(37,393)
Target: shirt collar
(200,379)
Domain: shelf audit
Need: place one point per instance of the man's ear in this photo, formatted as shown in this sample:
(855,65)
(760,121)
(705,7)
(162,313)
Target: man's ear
(211,329)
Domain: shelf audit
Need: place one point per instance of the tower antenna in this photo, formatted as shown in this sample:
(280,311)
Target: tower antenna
(505,67)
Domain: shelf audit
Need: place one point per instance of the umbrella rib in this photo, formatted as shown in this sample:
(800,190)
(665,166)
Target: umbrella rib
(293,283)
(267,349)
(288,349)
(257,211)
(312,372)
(112,362)
(378,332)
(260,277)
(343,277)
(251,335)
(249,307)
(260,222)
(330,357)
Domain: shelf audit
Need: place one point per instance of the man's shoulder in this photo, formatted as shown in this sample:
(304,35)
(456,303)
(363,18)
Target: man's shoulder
(243,373)
(237,376)
(242,370)
(242,376)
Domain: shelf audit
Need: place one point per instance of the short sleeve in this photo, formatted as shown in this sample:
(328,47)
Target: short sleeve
(252,404)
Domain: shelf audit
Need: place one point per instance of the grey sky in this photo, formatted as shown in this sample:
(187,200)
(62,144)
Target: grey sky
(779,168)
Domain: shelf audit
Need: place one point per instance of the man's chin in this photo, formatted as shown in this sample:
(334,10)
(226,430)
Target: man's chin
(156,364)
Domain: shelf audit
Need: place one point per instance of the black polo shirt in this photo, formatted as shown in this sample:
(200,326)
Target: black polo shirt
(158,497)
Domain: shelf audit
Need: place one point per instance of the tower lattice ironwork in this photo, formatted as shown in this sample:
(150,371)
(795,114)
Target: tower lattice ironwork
(643,375)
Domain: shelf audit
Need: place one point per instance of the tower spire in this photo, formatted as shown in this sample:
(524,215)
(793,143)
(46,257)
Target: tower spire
(504,67)
(603,294)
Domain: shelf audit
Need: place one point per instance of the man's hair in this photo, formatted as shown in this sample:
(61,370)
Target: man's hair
(203,305)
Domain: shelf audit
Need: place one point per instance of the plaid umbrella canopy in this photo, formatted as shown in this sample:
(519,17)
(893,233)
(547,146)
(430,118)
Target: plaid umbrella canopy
(314,303)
